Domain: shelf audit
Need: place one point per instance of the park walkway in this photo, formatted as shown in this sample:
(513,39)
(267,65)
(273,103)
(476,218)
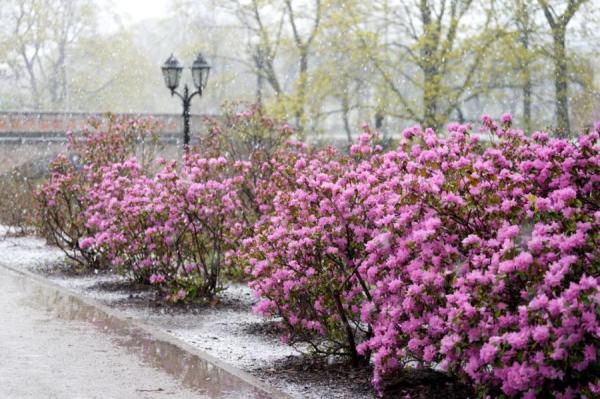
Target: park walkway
(42,356)
(54,346)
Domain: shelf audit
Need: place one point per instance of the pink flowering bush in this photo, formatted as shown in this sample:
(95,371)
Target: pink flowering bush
(119,214)
(250,136)
(477,257)
(305,255)
(213,215)
(59,212)
(172,230)
(62,200)
(487,263)
(115,139)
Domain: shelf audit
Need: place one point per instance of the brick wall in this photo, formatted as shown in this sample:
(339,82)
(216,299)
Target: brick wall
(37,137)
(36,124)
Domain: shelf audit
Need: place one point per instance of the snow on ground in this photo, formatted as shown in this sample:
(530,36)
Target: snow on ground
(85,284)
(30,252)
(221,330)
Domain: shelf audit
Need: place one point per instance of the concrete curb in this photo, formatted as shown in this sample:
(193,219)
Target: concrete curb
(154,339)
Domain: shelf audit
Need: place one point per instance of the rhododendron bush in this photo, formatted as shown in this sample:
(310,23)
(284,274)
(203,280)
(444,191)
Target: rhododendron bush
(177,228)
(63,199)
(305,254)
(173,229)
(252,137)
(476,253)
(479,257)
(489,266)
(61,202)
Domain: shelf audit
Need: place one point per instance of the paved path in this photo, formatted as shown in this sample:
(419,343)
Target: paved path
(42,356)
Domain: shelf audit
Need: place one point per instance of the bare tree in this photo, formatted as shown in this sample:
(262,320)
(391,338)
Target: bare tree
(41,35)
(29,36)
(558,25)
(433,55)
(303,46)
(269,23)
(524,27)
(266,39)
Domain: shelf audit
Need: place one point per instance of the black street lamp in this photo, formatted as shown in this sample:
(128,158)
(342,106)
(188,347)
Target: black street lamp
(172,73)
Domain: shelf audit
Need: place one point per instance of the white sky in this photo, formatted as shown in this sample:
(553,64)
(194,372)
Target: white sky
(133,11)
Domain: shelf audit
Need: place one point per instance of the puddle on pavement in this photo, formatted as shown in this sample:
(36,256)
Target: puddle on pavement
(191,370)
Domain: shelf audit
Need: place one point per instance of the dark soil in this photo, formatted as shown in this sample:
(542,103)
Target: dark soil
(311,371)
(425,384)
(141,296)
(266,329)
(67,269)
(122,286)
(147,297)
(409,383)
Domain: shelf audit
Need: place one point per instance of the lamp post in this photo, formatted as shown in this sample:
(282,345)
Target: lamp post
(172,73)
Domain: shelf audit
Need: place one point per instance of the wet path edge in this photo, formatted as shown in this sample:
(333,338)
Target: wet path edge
(191,367)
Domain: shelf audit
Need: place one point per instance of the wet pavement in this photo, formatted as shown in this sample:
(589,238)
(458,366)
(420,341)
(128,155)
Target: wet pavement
(56,345)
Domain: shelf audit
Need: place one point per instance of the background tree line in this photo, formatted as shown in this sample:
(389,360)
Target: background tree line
(326,66)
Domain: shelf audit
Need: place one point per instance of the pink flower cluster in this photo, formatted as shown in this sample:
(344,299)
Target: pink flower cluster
(172,229)
(476,255)
(62,199)
(492,268)
(304,256)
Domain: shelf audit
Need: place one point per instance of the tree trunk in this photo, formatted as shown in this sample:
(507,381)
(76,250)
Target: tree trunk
(379,118)
(300,100)
(431,93)
(259,64)
(430,67)
(527,93)
(525,65)
(345,118)
(561,82)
